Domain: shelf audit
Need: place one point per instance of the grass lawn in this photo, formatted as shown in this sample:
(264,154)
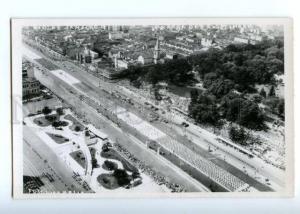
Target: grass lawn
(108,181)
(79,158)
(75,122)
(58,138)
(33,107)
(43,122)
(112,154)
(92,151)
(111,164)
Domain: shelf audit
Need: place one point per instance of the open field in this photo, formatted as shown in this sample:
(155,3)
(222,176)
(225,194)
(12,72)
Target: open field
(58,138)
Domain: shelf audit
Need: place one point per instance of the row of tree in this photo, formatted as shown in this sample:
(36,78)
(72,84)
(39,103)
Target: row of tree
(205,108)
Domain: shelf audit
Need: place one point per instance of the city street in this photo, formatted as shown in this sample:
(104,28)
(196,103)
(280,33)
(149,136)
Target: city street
(60,88)
(90,87)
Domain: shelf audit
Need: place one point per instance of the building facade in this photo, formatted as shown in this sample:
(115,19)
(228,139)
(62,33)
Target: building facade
(31,87)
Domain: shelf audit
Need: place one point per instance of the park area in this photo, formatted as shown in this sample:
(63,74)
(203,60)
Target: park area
(76,125)
(58,138)
(78,156)
(120,172)
(61,130)
(57,118)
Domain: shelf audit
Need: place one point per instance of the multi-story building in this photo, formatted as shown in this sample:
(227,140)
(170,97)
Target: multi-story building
(205,42)
(241,40)
(85,55)
(171,55)
(145,58)
(27,70)
(120,63)
(115,35)
(30,86)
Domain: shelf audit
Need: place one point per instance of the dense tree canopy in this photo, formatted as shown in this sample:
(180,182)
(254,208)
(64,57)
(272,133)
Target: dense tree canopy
(244,64)
(228,76)
(46,110)
(177,72)
(207,109)
(121,176)
(238,135)
(244,112)
(263,93)
(204,110)
(276,106)
(221,87)
(232,73)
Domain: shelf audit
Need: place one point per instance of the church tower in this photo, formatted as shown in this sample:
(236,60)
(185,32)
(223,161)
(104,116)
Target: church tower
(156,52)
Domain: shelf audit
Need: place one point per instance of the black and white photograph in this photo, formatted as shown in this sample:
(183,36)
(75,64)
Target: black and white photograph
(178,107)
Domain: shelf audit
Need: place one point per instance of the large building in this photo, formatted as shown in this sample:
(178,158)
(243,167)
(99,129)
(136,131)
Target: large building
(206,42)
(171,55)
(30,85)
(115,35)
(27,70)
(241,40)
(120,63)
(145,58)
(85,55)
(149,56)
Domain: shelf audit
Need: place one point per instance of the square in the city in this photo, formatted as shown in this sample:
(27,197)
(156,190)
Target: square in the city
(180,107)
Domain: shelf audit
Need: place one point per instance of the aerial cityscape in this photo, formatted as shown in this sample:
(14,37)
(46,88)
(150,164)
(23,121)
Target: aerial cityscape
(153,108)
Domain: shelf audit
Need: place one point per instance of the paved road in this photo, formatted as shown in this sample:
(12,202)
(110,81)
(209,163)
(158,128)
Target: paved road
(62,90)
(167,128)
(86,78)
(39,159)
(106,102)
